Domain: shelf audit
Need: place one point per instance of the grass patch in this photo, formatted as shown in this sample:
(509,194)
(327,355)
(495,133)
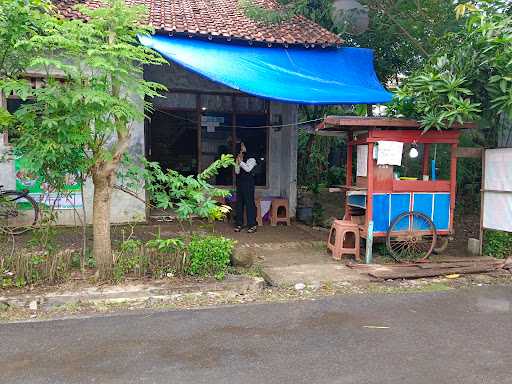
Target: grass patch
(394,289)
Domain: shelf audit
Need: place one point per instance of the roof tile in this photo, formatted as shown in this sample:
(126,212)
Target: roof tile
(218,18)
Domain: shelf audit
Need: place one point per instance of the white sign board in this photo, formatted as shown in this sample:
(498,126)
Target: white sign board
(498,169)
(389,152)
(211,122)
(497,205)
(362,161)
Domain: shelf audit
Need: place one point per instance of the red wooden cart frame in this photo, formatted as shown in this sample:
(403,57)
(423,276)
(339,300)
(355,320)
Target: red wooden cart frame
(369,131)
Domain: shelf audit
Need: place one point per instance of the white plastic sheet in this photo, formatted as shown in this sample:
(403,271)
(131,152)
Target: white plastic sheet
(389,153)
(362,161)
(498,169)
(497,209)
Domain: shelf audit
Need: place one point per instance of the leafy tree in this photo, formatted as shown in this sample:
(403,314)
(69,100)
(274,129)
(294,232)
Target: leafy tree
(82,121)
(404,33)
(320,11)
(19,21)
(469,75)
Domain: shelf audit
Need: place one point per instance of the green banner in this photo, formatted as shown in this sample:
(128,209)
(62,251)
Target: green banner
(68,198)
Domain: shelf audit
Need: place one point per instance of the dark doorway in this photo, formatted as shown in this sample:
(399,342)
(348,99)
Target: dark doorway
(173,140)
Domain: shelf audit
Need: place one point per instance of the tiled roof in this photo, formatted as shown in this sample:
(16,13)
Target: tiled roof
(220,19)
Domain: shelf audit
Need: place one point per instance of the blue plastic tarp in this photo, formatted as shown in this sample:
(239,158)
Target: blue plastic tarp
(294,75)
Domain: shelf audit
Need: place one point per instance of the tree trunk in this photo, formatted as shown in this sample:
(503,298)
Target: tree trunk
(102,247)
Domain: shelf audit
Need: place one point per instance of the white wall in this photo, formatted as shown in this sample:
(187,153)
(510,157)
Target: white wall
(284,153)
(125,208)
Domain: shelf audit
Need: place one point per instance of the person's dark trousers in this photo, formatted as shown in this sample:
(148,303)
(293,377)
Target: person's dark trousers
(245,200)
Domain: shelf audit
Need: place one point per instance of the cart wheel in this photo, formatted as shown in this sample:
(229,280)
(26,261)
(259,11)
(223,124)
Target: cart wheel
(411,236)
(441,245)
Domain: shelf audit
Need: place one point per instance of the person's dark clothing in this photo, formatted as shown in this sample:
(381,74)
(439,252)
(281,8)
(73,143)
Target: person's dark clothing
(245,187)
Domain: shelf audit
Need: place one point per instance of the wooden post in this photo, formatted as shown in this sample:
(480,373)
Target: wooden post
(348,172)
(199,133)
(426,162)
(369,206)
(369,244)
(234,140)
(482,193)
(350,150)
(453,183)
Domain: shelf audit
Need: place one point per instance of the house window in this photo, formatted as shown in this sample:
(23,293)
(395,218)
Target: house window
(13,104)
(173,140)
(216,140)
(188,140)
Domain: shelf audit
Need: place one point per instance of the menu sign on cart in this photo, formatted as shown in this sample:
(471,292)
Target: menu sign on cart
(389,153)
(362,161)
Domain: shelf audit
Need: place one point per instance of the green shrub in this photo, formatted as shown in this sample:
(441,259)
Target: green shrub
(158,258)
(166,256)
(209,255)
(29,267)
(497,244)
(130,260)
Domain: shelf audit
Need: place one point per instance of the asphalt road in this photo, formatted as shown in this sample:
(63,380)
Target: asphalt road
(462,336)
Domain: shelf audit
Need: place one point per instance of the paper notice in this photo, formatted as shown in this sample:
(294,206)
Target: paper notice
(389,153)
(362,160)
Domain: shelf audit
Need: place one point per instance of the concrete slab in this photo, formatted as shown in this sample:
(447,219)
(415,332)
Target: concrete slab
(311,273)
(290,263)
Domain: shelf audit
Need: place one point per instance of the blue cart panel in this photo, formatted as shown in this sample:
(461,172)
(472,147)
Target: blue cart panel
(387,206)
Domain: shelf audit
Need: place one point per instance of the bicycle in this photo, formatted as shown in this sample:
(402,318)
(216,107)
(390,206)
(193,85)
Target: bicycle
(18,211)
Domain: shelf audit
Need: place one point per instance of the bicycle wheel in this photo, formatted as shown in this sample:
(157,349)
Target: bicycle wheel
(18,212)
(411,236)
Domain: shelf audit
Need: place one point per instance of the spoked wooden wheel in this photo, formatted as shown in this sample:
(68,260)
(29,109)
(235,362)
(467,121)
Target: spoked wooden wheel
(411,236)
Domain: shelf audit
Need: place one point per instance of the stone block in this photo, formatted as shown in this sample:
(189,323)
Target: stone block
(474,246)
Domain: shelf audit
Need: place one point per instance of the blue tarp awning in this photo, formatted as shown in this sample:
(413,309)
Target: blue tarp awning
(294,75)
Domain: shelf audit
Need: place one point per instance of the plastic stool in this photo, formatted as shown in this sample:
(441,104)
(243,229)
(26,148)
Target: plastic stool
(274,210)
(340,229)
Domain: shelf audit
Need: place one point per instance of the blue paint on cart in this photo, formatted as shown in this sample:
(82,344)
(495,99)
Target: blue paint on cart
(400,202)
(422,202)
(441,211)
(380,212)
(387,206)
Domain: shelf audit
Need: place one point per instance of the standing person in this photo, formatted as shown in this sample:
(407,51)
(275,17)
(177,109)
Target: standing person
(244,169)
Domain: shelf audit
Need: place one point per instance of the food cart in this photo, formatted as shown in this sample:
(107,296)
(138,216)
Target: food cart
(400,182)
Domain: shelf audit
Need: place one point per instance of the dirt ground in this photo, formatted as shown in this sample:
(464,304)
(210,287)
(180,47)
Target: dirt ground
(69,237)
(466,226)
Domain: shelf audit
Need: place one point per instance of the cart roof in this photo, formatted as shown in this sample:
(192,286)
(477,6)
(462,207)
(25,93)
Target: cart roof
(350,123)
